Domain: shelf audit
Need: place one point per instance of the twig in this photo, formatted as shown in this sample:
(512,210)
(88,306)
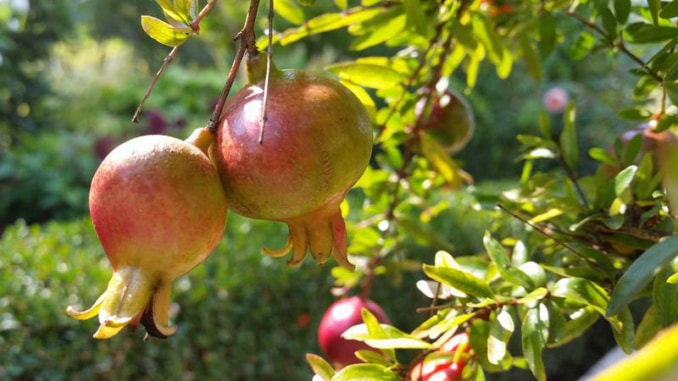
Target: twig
(247,41)
(616,44)
(269,63)
(195,27)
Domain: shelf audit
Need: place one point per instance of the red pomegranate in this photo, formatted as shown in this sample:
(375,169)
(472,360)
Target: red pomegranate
(340,316)
(159,209)
(297,166)
(445,364)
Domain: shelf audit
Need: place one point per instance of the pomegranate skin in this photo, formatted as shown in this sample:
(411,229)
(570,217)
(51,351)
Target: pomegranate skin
(159,209)
(317,141)
(340,316)
(297,167)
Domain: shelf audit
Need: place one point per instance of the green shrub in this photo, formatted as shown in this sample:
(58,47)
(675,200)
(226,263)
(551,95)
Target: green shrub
(238,316)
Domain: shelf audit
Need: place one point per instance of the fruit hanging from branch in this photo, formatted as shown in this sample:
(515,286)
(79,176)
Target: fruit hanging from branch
(294,158)
(341,315)
(159,209)
(449,121)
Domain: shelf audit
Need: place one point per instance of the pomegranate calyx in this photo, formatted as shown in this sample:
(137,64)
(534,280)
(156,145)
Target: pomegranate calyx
(323,236)
(129,294)
(256,68)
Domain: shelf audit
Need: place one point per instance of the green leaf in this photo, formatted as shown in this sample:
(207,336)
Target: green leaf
(320,367)
(290,11)
(174,13)
(623,329)
(441,161)
(530,57)
(362,95)
(641,272)
(556,323)
(609,22)
(622,9)
(576,326)
(547,33)
(643,33)
(582,45)
(501,329)
(648,327)
(381,28)
(461,280)
(623,180)
(665,296)
(416,18)
(534,335)
(367,75)
(388,337)
(366,372)
(163,32)
(499,256)
(654,362)
(581,291)
(568,138)
(635,113)
(669,10)
(655,6)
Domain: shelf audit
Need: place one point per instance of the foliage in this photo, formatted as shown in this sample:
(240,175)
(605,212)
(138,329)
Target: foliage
(228,309)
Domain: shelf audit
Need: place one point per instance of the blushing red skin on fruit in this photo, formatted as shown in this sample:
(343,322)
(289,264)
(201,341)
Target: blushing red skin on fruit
(288,175)
(340,316)
(450,121)
(149,216)
(440,369)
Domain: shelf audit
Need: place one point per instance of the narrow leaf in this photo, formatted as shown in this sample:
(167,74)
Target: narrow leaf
(568,138)
(534,332)
(655,6)
(368,75)
(501,329)
(623,180)
(320,367)
(641,272)
(416,18)
(622,9)
(366,372)
(642,33)
(290,11)
(461,280)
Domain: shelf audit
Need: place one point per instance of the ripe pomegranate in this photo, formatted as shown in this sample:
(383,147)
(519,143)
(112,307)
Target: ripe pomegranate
(656,142)
(340,316)
(456,353)
(317,141)
(158,208)
(436,369)
(555,99)
(450,120)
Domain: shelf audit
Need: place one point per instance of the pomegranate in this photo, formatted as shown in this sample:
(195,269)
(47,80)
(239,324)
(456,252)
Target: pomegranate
(450,120)
(445,364)
(340,316)
(666,157)
(158,208)
(297,166)
(436,369)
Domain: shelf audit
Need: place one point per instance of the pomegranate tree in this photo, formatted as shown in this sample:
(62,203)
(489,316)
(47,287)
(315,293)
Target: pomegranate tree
(158,208)
(340,316)
(449,120)
(297,164)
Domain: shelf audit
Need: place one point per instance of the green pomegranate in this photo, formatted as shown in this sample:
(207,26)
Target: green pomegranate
(297,166)
(449,120)
(159,209)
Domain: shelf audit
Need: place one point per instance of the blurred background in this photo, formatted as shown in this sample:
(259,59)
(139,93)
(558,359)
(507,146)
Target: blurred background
(71,75)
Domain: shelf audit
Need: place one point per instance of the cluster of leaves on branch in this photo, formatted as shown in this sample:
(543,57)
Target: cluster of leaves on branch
(589,243)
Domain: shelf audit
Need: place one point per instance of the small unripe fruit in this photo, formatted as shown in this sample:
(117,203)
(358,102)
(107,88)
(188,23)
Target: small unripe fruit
(340,316)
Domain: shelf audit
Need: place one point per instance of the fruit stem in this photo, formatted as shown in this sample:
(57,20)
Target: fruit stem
(248,45)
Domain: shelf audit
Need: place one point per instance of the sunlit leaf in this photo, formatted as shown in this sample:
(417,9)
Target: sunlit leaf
(290,11)
(378,30)
(665,295)
(534,335)
(501,329)
(623,180)
(163,32)
(174,12)
(654,362)
(366,372)
(581,291)
(441,161)
(320,367)
(641,272)
(499,256)
(416,18)
(368,75)
(568,138)
(461,280)
(388,337)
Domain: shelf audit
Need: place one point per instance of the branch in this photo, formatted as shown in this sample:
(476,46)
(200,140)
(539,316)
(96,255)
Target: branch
(247,40)
(195,27)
